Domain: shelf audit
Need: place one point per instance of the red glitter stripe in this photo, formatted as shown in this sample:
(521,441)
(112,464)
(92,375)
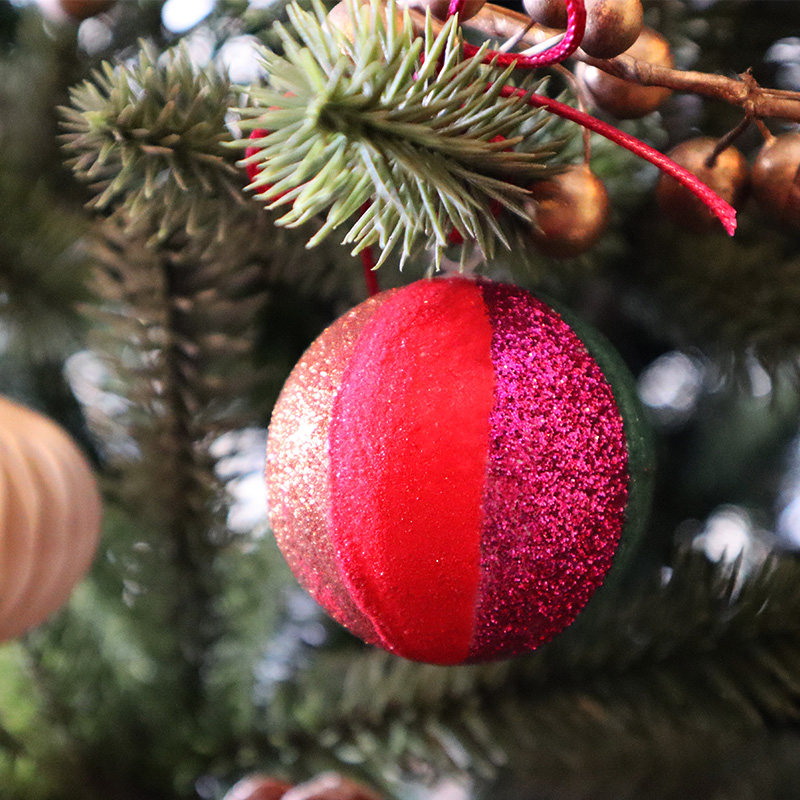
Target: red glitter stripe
(407,464)
(557,478)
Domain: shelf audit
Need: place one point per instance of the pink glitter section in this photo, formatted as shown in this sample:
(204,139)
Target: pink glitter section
(557,481)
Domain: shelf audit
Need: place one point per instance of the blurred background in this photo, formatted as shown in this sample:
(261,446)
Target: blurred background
(189,657)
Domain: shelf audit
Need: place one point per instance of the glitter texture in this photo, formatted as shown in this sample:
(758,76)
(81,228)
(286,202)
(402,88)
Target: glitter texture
(298,490)
(448,470)
(557,481)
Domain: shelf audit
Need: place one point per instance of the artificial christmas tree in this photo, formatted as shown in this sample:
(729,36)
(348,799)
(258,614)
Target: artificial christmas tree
(158,192)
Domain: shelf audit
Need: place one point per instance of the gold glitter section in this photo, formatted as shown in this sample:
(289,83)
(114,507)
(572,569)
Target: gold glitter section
(298,487)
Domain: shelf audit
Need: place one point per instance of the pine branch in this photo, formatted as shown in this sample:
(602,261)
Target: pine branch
(179,320)
(714,650)
(152,133)
(403,124)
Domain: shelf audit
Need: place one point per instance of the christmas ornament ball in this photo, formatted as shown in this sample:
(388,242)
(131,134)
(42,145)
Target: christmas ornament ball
(330,786)
(449,470)
(50,518)
(341,16)
(252,168)
(258,787)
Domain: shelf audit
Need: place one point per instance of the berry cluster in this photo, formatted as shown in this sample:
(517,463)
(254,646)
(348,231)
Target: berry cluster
(774,180)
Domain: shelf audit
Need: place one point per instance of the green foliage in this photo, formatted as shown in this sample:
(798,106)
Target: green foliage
(683,684)
(42,270)
(400,127)
(151,135)
(259,19)
(26,744)
(736,299)
(112,652)
(178,320)
(695,650)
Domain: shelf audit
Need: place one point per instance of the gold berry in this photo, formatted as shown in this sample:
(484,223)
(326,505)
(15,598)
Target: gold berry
(728,176)
(439,8)
(568,211)
(550,13)
(776,178)
(625,99)
(611,25)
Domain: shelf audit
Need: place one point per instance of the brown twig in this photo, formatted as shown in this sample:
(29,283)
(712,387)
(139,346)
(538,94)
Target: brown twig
(758,102)
(726,141)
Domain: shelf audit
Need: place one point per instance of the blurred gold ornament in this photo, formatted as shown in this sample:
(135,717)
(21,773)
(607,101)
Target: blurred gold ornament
(49,518)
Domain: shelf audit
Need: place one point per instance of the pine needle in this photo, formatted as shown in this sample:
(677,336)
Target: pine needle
(412,114)
(150,128)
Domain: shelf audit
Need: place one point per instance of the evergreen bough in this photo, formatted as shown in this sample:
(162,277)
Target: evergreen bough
(403,131)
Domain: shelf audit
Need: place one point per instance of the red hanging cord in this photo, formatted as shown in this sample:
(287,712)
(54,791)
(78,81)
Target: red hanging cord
(368,263)
(724,211)
(370,277)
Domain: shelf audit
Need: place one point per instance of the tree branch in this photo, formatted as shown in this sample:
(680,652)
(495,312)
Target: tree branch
(757,102)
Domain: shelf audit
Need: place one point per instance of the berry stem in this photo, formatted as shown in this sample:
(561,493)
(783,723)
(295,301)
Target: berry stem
(496,22)
(514,40)
(580,98)
(726,141)
(764,131)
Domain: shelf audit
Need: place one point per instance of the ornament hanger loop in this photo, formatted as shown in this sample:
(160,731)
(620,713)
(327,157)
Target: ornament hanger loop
(556,51)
